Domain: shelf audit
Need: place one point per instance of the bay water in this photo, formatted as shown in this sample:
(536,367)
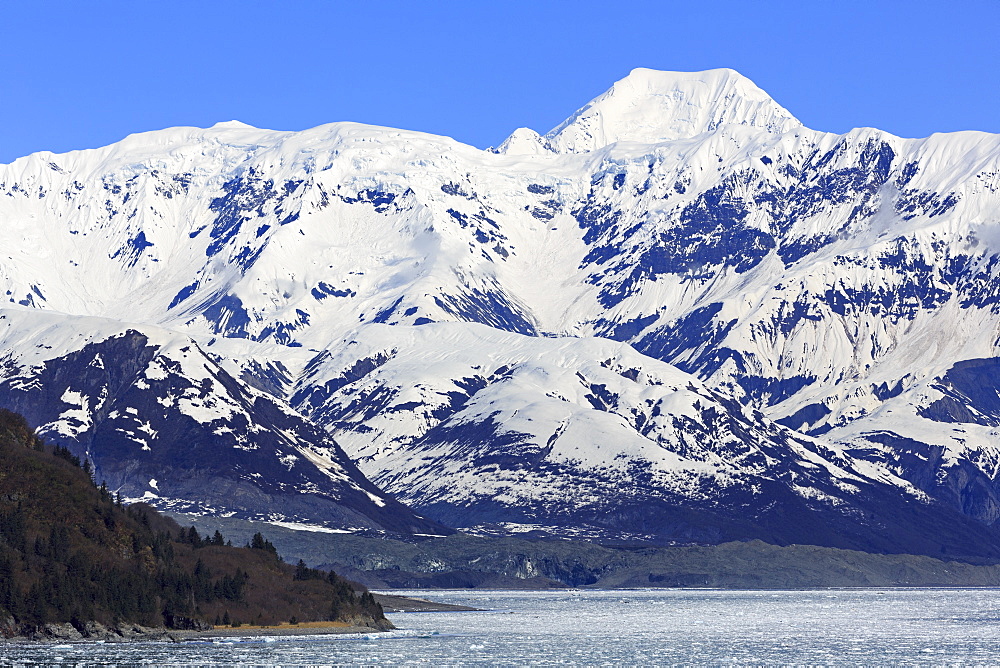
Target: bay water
(622,627)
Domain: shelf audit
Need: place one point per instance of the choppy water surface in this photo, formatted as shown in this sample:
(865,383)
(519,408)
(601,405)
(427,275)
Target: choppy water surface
(621,627)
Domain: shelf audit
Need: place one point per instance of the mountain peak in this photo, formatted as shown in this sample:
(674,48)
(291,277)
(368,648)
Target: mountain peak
(523,141)
(651,106)
(232,125)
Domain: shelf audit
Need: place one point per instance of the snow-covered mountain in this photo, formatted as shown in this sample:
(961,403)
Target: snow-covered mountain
(651,107)
(586,437)
(166,424)
(620,313)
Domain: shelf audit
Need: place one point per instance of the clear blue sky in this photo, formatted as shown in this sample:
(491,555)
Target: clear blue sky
(83,74)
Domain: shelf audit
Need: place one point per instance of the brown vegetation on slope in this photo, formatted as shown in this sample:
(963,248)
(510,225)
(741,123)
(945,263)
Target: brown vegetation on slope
(70,552)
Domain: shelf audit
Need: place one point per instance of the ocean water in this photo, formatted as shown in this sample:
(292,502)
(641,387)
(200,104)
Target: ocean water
(634,627)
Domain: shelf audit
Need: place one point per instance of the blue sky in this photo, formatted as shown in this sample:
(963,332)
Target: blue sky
(84,74)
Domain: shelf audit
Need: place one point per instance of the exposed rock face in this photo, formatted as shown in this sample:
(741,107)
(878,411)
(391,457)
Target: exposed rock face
(90,631)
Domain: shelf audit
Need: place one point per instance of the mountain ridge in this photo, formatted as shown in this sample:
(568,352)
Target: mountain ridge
(630,110)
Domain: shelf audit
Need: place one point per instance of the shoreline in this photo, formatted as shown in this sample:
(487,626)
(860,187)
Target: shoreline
(283,630)
(58,634)
(65,633)
(395,603)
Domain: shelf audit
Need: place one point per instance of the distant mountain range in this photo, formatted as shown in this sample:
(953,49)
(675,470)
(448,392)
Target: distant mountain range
(680,316)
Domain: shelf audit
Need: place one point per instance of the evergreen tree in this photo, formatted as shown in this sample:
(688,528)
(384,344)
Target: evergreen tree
(9,600)
(258,542)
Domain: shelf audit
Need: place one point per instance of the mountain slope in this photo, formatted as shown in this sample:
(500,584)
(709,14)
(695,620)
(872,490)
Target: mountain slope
(162,422)
(586,437)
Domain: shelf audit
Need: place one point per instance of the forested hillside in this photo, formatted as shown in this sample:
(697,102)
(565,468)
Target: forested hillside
(72,553)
